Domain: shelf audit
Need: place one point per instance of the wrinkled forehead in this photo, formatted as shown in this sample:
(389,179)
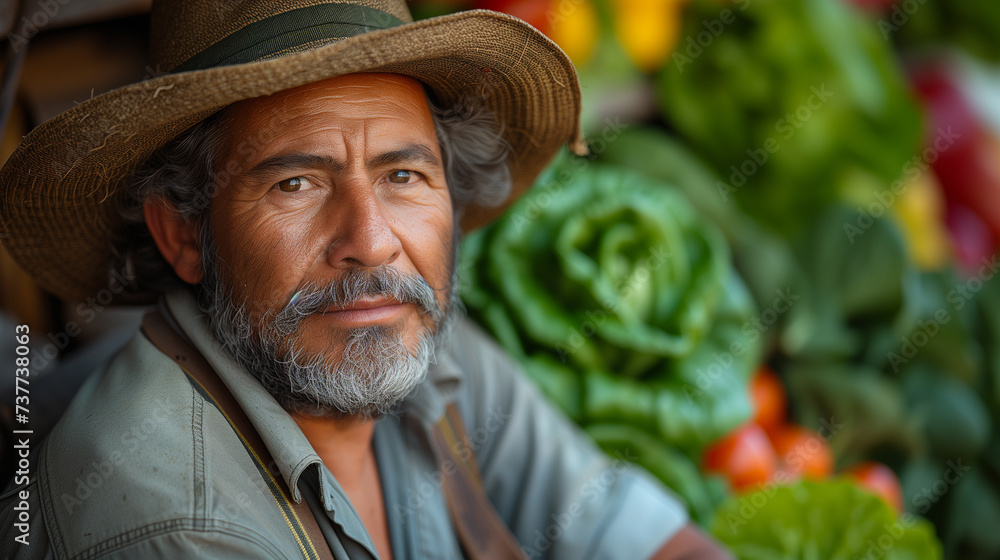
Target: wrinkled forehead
(382,104)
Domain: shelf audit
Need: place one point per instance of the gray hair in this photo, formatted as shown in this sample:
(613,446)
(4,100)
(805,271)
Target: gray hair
(183,173)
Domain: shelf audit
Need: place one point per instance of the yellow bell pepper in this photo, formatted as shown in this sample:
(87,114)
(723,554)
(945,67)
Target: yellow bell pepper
(919,211)
(574,27)
(648,29)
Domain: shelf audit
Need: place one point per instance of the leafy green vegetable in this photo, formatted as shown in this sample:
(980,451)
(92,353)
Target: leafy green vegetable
(791,102)
(903,364)
(831,520)
(896,364)
(673,468)
(763,260)
(973,26)
(866,409)
(950,414)
(853,279)
(620,301)
(883,346)
(972,519)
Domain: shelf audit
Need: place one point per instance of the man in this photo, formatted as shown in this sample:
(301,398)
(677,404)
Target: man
(294,189)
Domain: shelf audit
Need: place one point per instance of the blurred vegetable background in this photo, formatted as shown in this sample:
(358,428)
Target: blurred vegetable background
(772,281)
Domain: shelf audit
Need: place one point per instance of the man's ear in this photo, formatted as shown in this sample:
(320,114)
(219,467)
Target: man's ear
(176,238)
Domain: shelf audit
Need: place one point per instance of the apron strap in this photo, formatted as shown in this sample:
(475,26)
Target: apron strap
(298,516)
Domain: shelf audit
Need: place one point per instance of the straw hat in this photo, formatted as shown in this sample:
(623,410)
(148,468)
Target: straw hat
(56,211)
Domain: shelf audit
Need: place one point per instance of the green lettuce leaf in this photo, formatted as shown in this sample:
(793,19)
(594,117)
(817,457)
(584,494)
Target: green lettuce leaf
(830,520)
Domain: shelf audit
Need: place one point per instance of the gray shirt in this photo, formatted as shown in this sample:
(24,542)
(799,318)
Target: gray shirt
(141,466)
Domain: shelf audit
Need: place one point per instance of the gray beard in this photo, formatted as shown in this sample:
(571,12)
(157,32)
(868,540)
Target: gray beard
(375,371)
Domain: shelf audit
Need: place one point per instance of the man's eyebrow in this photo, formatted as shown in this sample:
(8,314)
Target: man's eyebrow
(295,160)
(410,153)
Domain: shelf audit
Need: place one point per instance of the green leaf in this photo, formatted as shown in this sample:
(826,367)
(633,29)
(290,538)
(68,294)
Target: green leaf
(951,415)
(673,468)
(867,409)
(829,520)
(791,102)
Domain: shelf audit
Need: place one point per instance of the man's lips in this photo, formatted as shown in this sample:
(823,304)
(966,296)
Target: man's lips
(367,311)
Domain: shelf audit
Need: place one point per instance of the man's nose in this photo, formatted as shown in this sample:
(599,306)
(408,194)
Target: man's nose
(364,233)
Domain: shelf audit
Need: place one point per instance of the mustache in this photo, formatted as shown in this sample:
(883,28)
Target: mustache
(354,284)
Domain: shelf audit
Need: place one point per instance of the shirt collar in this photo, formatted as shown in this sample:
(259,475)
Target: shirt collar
(288,445)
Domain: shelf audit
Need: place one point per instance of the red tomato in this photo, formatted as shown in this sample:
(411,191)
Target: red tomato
(535,12)
(879,480)
(745,457)
(769,401)
(802,452)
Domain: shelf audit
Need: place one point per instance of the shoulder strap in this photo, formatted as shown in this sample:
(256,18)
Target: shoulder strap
(298,516)
(483,535)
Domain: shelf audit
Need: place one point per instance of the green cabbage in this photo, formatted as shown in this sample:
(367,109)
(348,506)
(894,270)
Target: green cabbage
(620,301)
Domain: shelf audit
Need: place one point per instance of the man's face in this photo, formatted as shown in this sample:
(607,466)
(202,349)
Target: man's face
(333,239)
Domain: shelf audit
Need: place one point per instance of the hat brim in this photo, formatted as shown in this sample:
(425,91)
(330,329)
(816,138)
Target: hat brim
(57,222)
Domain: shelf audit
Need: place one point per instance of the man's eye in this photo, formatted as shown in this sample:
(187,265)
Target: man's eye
(400,177)
(292,185)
